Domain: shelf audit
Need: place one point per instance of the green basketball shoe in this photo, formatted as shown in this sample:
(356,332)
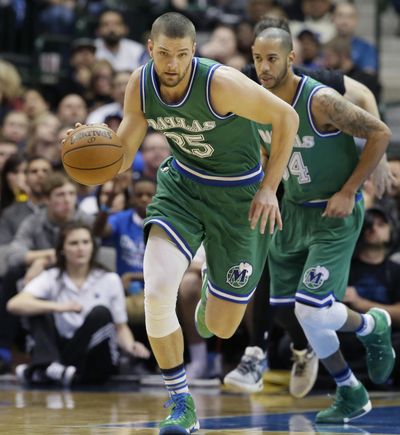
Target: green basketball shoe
(380,353)
(200,313)
(349,403)
(183,418)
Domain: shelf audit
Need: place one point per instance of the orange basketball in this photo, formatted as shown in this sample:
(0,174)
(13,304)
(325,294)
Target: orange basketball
(92,154)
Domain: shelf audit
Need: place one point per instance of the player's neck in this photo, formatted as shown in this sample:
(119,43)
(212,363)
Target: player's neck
(288,88)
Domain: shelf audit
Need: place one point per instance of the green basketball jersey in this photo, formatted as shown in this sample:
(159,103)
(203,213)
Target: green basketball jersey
(202,141)
(320,162)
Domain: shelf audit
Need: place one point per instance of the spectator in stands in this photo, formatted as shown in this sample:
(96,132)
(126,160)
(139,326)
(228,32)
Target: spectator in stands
(81,60)
(34,103)
(77,316)
(72,109)
(37,169)
(223,47)
(100,86)
(317,18)
(7,148)
(155,149)
(13,186)
(309,50)
(10,88)
(94,203)
(374,281)
(256,9)
(43,138)
(119,82)
(363,54)
(58,18)
(124,54)
(337,55)
(33,249)
(245,38)
(15,127)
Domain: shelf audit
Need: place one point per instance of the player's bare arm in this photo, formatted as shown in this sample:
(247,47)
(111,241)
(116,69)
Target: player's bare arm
(133,127)
(332,111)
(232,91)
(361,96)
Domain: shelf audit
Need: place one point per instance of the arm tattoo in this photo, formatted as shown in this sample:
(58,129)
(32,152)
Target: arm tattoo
(345,116)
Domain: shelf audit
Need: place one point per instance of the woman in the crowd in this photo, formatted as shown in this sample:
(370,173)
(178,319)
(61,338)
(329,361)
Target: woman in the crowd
(77,316)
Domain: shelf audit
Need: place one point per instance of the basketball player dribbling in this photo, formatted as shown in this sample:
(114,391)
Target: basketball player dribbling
(212,189)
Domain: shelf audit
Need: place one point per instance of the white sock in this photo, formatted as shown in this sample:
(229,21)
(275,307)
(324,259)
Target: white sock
(346,378)
(367,325)
(55,371)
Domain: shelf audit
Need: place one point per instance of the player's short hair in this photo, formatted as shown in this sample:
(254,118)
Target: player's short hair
(282,35)
(268,22)
(173,25)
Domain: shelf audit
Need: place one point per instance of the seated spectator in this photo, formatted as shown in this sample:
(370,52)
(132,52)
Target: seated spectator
(124,54)
(155,149)
(43,138)
(33,249)
(11,88)
(72,109)
(13,187)
(15,127)
(309,50)
(317,18)
(94,203)
(77,316)
(7,148)
(37,169)
(223,47)
(100,85)
(119,82)
(363,53)
(337,55)
(58,18)
(374,281)
(81,60)
(34,104)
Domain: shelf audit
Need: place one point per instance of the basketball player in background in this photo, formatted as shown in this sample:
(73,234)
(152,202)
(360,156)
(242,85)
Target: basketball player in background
(323,211)
(212,190)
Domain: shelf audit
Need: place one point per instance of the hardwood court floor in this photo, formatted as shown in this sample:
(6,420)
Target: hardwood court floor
(125,412)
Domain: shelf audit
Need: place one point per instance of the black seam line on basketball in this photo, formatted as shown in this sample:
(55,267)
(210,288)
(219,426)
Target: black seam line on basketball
(93,169)
(91,145)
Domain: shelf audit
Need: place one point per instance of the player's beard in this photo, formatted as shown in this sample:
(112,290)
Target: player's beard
(278,80)
(178,79)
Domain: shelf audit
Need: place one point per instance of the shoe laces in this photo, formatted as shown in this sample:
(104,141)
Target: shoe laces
(178,403)
(247,365)
(341,403)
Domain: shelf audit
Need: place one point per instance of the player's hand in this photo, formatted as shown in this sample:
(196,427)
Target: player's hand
(382,179)
(77,125)
(340,205)
(265,208)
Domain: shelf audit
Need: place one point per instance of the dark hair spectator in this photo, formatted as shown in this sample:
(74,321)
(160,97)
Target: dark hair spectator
(13,185)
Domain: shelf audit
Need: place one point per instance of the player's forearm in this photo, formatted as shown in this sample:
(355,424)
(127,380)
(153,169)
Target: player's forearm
(374,149)
(283,138)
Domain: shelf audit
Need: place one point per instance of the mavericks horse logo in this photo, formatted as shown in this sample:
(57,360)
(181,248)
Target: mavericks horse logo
(238,276)
(314,277)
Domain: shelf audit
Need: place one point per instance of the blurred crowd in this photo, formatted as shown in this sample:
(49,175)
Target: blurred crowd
(68,250)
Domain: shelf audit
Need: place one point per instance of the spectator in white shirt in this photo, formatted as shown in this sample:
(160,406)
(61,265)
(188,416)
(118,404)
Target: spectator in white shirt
(124,54)
(77,316)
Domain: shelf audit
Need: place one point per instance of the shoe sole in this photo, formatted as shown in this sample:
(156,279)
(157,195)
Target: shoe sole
(237,386)
(171,430)
(389,322)
(365,410)
(307,390)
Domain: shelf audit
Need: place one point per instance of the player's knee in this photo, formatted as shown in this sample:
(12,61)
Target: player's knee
(308,315)
(220,330)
